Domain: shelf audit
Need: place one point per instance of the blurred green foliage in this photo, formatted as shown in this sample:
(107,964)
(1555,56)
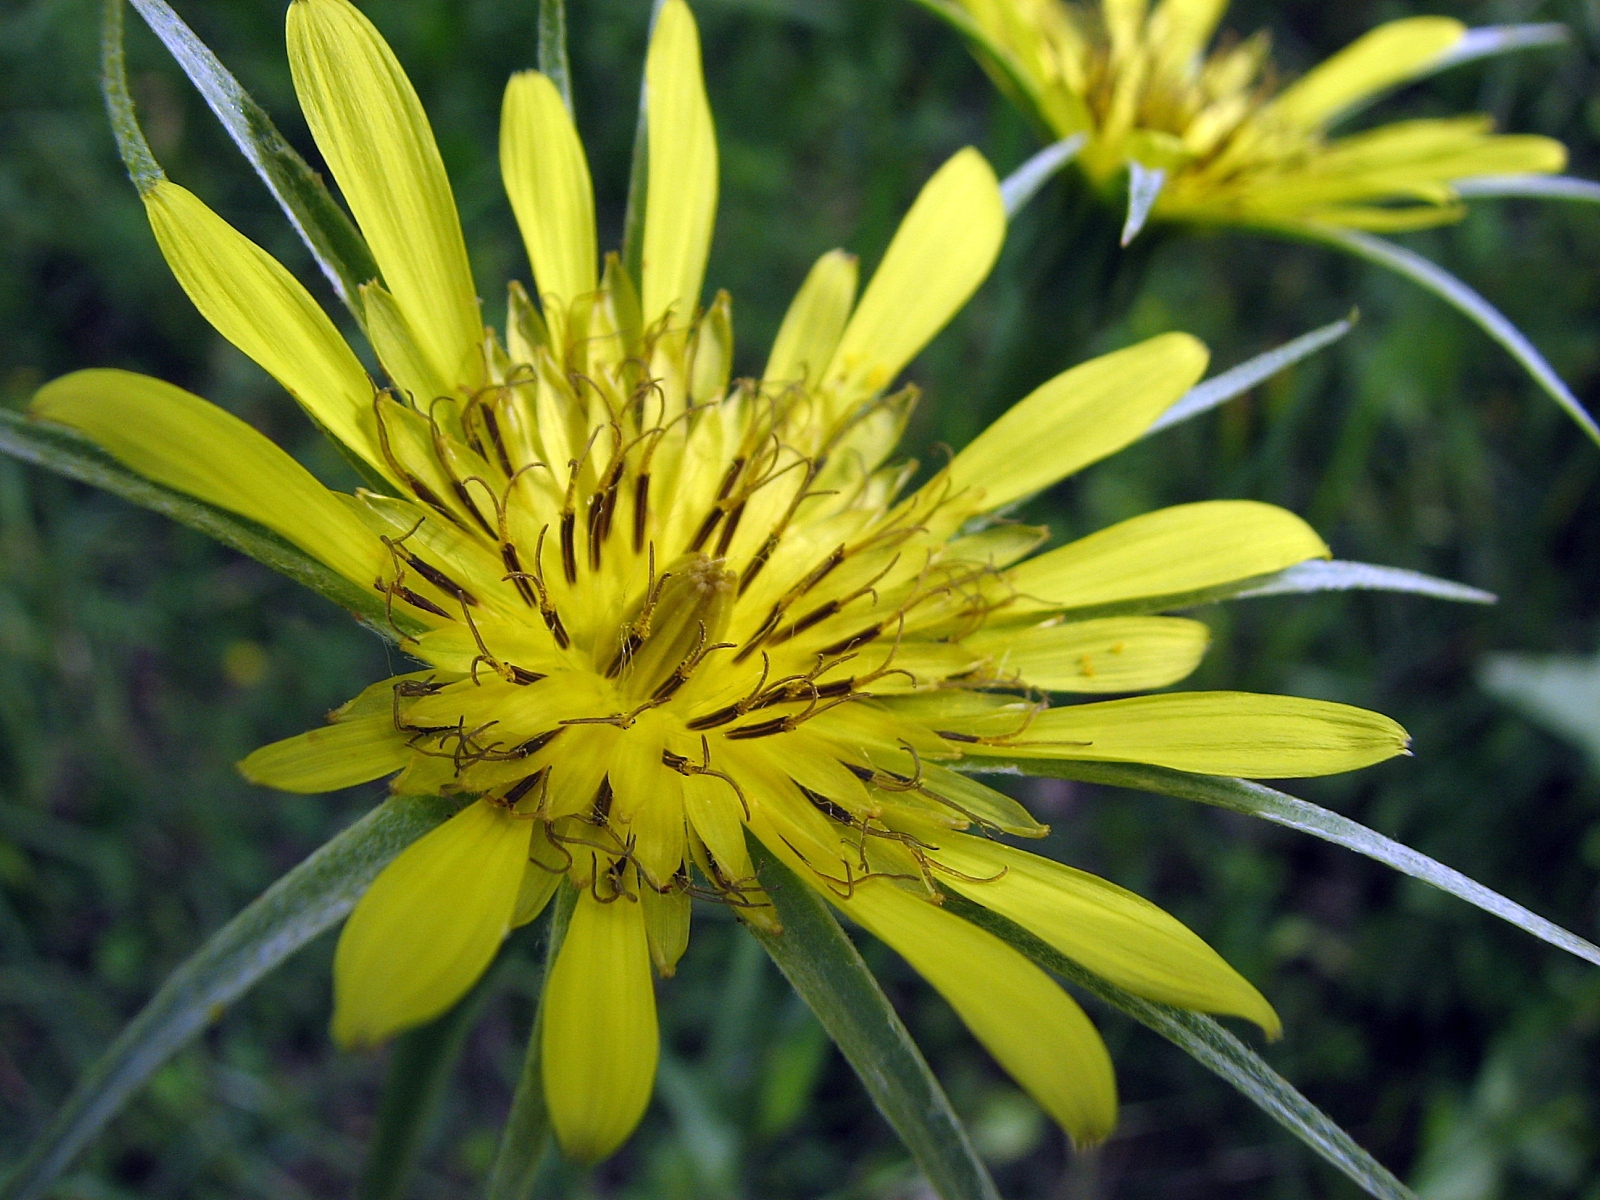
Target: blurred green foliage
(138,661)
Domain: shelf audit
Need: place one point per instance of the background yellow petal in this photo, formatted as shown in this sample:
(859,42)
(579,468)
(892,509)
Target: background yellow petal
(599,1041)
(255,303)
(547,178)
(1078,417)
(942,251)
(681,201)
(1116,934)
(815,321)
(1033,1028)
(429,924)
(1179,31)
(1112,654)
(1381,58)
(1214,733)
(322,760)
(1170,552)
(370,126)
(179,440)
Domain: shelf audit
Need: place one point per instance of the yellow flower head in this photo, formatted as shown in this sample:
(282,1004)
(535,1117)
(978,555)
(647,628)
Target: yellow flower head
(1138,83)
(657,610)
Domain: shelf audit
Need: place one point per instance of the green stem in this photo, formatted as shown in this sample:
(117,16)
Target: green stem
(526,1137)
(824,966)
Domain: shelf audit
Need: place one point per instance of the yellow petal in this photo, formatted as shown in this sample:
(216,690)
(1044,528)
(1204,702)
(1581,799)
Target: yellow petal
(815,321)
(940,254)
(336,756)
(257,305)
(1114,933)
(1214,733)
(369,125)
(599,1040)
(1032,1027)
(399,350)
(1170,552)
(1179,31)
(1379,59)
(547,177)
(1080,416)
(1113,654)
(681,204)
(429,924)
(666,926)
(179,440)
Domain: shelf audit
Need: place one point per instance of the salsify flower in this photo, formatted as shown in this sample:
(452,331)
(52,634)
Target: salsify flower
(1139,85)
(657,611)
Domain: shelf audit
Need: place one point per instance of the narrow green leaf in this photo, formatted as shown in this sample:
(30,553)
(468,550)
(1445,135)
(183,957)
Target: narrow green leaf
(823,965)
(1214,1048)
(638,178)
(1540,187)
(414,1084)
(131,145)
(309,900)
(1466,301)
(1024,183)
(69,453)
(327,231)
(526,1137)
(1258,800)
(1240,379)
(553,47)
(1325,575)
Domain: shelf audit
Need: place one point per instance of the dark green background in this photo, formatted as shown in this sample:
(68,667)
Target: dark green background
(138,661)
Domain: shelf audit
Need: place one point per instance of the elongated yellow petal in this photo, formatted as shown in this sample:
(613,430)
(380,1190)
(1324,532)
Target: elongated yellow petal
(547,177)
(1170,552)
(1032,1027)
(429,924)
(370,126)
(815,321)
(257,305)
(600,1040)
(1116,934)
(1179,31)
(940,254)
(1381,58)
(335,756)
(1214,733)
(681,207)
(1078,417)
(179,440)
(399,349)
(1113,654)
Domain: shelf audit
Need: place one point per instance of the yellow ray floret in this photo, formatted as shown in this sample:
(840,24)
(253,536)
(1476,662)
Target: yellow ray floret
(658,610)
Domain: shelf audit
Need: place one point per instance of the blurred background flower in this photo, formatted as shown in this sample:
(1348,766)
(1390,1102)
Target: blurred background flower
(140,661)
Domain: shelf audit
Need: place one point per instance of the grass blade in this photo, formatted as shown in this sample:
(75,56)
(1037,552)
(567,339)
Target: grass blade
(1214,1048)
(1258,800)
(309,900)
(69,453)
(327,231)
(1471,305)
(1024,183)
(824,966)
(1540,187)
(526,1137)
(1240,379)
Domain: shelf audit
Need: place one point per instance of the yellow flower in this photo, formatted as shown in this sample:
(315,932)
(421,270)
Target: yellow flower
(1139,86)
(657,610)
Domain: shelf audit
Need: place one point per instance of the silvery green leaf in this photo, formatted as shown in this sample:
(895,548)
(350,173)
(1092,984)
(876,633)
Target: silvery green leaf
(1488,41)
(1024,183)
(131,144)
(1258,800)
(1466,301)
(553,47)
(1325,575)
(1540,187)
(1144,187)
(1240,379)
(306,902)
